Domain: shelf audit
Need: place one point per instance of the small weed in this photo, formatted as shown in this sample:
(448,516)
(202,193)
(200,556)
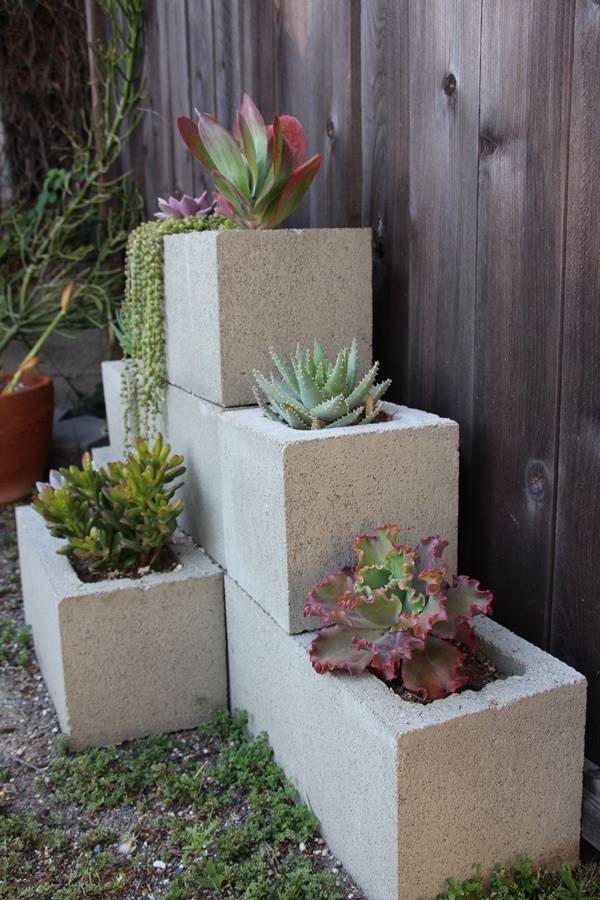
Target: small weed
(15,644)
(523,882)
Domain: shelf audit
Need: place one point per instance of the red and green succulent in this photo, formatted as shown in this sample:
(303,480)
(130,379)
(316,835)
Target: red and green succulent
(398,613)
(259,170)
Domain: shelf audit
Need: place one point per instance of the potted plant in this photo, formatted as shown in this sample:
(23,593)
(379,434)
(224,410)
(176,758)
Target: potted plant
(26,414)
(127,615)
(233,293)
(322,447)
(425,737)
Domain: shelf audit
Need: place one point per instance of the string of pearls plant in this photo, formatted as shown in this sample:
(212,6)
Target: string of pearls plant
(141,322)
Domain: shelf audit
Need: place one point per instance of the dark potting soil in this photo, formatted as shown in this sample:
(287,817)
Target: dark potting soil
(476,667)
(166,562)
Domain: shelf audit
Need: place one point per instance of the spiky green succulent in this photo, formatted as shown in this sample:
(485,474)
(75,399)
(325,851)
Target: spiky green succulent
(314,392)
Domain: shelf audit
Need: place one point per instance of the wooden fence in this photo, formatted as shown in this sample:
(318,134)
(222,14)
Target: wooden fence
(466,133)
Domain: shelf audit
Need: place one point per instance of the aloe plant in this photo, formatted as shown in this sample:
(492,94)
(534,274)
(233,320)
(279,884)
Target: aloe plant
(314,392)
(398,613)
(259,171)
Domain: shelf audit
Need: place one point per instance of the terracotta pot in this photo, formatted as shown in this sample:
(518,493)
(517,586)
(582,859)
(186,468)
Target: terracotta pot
(25,435)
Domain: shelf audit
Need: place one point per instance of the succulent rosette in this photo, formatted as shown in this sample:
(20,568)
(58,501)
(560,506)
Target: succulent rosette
(398,613)
(259,171)
(185,207)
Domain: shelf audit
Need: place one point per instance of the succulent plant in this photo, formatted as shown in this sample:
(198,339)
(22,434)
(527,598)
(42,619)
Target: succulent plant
(398,613)
(185,207)
(119,517)
(315,393)
(259,171)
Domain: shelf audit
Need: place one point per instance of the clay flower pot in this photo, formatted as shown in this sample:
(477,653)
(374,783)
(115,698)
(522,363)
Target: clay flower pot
(25,434)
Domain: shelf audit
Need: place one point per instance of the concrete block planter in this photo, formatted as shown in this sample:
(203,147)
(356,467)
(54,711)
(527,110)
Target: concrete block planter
(193,430)
(231,295)
(410,794)
(124,658)
(294,500)
(112,371)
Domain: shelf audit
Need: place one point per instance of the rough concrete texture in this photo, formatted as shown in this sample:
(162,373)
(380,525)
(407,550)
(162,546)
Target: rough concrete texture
(125,658)
(112,371)
(294,500)
(193,429)
(232,295)
(408,794)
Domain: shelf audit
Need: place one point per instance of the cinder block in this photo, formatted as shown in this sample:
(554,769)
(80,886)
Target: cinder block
(408,795)
(193,430)
(232,295)
(129,657)
(102,456)
(115,418)
(294,500)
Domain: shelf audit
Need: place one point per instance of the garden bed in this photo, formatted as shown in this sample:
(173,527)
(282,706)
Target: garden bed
(102,823)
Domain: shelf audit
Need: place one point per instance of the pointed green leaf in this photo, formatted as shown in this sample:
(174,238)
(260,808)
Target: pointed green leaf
(349,419)
(336,382)
(361,390)
(329,410)
(225,154)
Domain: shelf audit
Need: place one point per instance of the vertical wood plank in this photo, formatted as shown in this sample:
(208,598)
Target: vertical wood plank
(202,73)
(318,70)
(385,182)
(258,32)
(524,118)
(227,55)
(575,632)
(176,40)
(444,162)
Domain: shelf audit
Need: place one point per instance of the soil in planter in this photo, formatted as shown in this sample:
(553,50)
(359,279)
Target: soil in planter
(166,562)
(476,667)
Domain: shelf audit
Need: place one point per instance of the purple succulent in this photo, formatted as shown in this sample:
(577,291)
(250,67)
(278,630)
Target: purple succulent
(185,207)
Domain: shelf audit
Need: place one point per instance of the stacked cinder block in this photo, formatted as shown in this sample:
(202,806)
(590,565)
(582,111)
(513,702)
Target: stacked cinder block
(406,794)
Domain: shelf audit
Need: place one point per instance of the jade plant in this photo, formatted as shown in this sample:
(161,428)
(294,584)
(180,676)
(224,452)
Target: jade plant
(314,392)
(258,170)
(398,613)
(119,518)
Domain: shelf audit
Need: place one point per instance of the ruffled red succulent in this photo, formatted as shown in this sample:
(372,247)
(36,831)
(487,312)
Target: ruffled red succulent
(398,613)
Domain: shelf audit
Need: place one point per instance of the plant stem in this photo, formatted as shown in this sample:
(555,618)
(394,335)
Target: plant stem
(9,388)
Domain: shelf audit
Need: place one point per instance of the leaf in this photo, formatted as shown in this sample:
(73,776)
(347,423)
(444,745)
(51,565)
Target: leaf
(295,138)
(464,600)
(391,649)
(336,383)
(295,187)
(330,410)
(189,132)
(323,597)
(435,672)
(361,390)
(223,152)
(372,549)
(334,648)
(310,394)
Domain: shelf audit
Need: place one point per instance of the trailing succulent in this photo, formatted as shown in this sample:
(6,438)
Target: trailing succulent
(259,170)
(117,518)
(315,393)
(140,328)
(398,613)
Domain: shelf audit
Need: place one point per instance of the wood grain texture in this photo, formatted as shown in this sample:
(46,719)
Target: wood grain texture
(385,178)
(202,74)
(178,55)
(576,606)
(524,118)
(318,73)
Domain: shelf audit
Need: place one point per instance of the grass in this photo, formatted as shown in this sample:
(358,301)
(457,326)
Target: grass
(524,882)
(229,826)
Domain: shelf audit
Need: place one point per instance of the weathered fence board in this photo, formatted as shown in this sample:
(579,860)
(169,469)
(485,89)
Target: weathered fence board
(524,106)
(455,130)
(576,607)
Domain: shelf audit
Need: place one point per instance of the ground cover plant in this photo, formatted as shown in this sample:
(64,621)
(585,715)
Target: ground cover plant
(199,814)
